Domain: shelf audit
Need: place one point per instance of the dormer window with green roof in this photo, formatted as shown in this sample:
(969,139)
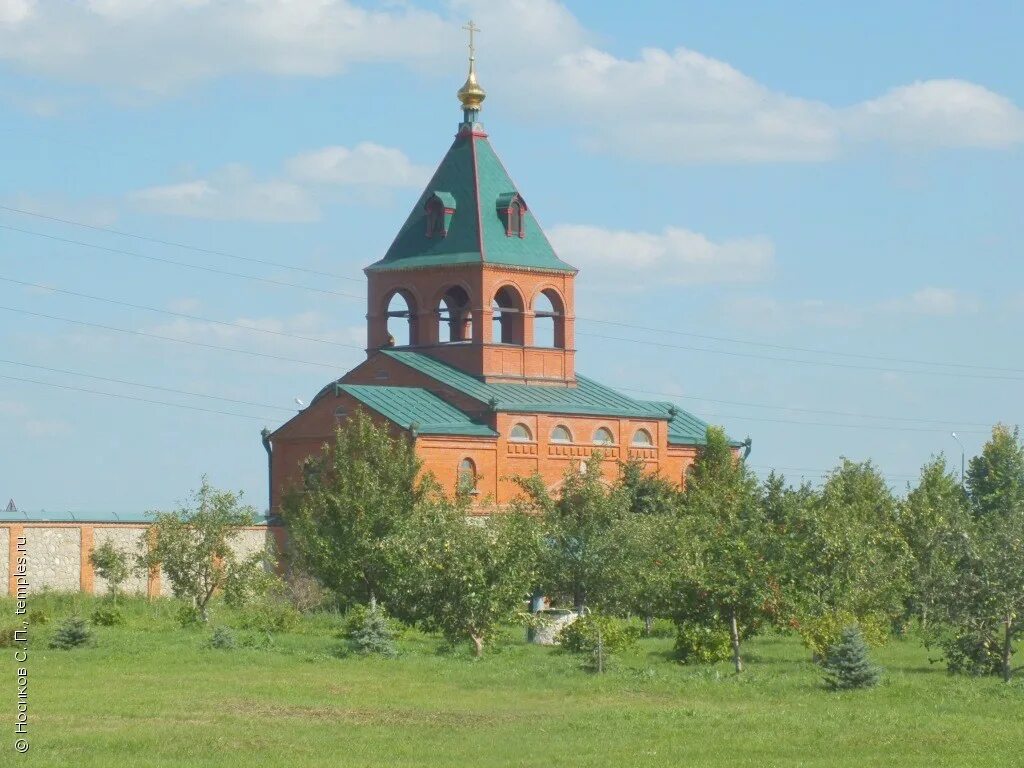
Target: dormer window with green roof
(440,208)
(512,210)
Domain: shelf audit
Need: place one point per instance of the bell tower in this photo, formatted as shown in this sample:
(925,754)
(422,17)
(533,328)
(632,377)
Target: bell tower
(470,278)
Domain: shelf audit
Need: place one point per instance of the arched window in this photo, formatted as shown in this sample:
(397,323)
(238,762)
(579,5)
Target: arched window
(455,320)
(561,434)
(604,436)
(516,222)
(440,207)
(512,210)
(401,320)
(340,414)
(642,439)
(520,434)
(507,313)
(549,322)
(467,476)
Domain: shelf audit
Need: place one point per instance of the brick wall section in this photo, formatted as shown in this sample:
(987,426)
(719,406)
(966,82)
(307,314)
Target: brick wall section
(130,539)
(54,558)
(58,554)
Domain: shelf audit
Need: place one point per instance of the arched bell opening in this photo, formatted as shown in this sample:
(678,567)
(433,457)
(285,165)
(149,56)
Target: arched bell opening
(454,317)
(507,312)
(401,317)
(549,320)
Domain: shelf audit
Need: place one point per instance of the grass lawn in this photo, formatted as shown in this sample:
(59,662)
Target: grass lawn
(151,694)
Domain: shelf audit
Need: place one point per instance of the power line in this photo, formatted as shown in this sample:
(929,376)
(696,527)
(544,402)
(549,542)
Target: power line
(808,350)
(199,249)
(828,364)
(144,386)
(187,265)
(332,366)
(168,338)
(807,410)
(174,244)
(132,397)
(119,303)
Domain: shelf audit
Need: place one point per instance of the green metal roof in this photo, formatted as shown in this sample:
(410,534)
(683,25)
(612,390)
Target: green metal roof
(406,405)
(474,177)
(589,398)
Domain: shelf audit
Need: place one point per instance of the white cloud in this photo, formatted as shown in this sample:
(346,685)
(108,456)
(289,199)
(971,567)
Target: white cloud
(15,11)
(764,312)
(366,164)
(675,106)
(933,301)
(950,113)
(230,194)
(233,193)
(677,256)
(682,106)
(162,45)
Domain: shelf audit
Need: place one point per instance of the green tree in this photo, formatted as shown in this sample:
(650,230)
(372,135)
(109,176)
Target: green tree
(640,577)
(931,519)
(848,663)
(724,539)
(644,492)
(577,555)
(112,564)
(846,561)
(469,575)
(995,479)
(194,545)
(357,495)
(986,600)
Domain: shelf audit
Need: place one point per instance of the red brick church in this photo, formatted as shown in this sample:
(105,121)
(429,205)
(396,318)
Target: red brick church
(471,347)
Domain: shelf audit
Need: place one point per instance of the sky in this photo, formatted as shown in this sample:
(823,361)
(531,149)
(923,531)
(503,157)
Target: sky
(799,221)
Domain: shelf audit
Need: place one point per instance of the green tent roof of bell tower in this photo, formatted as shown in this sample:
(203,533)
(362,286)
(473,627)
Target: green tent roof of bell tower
(472,180)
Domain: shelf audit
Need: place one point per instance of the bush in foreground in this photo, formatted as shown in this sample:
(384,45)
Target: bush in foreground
(699,644)
(223,639)
(599,637)
(848,664)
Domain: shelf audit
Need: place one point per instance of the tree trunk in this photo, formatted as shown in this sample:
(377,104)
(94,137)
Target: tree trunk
(1007,647)
(373,601)
(648,624)
(734,635)
(478,645)
(579,598)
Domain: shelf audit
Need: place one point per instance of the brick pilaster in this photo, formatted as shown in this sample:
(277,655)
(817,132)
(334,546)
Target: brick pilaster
(87,574)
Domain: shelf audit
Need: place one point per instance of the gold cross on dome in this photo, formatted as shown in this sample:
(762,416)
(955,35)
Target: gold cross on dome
(471,28)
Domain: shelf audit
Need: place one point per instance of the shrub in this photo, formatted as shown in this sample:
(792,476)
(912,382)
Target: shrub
(222,638)
(700,644)
(616,635)
(74,632)
(663,628)
(973,653)
(304,592)
(112,564)
(107,616)
(848,664)
(370,631)
(269,615)
(189,616)
(7,636)
(37,617)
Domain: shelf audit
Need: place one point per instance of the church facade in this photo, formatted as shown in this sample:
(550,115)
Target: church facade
(471,348)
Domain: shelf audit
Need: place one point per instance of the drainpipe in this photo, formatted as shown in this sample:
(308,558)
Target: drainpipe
(265,434)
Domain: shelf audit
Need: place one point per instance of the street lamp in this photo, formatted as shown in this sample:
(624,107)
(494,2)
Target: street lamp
(955,437)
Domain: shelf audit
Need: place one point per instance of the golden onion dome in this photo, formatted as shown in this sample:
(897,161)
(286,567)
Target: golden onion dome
(471,94)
